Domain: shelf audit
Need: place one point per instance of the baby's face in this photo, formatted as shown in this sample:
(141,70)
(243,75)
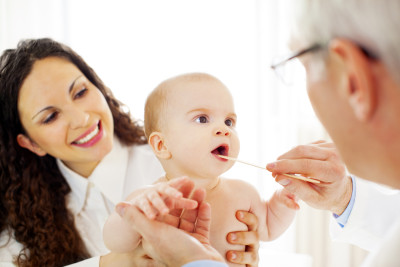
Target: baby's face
(200,125)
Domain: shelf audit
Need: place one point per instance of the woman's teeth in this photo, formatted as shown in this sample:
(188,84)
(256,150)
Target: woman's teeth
(88,137)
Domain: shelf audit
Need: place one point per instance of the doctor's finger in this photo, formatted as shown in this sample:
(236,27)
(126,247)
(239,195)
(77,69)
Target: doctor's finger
(318,152)
(324,143)
(321,170)
(301,189)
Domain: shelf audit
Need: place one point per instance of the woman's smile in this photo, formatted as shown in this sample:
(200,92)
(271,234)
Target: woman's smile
(71,114)
(91,137)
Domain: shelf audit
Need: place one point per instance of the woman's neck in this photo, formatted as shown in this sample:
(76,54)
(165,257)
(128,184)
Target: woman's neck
(83,169)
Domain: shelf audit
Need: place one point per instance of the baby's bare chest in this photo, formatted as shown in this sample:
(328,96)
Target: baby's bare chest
(223,220)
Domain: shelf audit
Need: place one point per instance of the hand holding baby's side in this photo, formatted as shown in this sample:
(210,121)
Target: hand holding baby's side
(288,199)
(159,199)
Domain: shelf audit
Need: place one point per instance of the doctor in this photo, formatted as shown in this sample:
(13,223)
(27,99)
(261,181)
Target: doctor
(354,86)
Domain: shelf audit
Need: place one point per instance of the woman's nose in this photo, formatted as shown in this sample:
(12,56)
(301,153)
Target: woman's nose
(78,118)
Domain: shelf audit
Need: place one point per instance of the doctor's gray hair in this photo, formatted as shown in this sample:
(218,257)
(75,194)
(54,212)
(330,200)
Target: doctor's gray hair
(372,24)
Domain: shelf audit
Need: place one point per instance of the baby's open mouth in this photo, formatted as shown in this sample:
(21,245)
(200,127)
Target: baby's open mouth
(221,150)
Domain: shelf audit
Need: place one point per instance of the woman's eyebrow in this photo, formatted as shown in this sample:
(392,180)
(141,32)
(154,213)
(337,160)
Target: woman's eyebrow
(73,83)
(46,108)
(69,91)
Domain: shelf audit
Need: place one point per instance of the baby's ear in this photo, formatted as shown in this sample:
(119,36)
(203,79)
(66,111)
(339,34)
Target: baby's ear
(157,143)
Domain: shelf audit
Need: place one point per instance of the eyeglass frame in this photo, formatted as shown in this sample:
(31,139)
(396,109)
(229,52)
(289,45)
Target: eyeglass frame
(316,47)
(312,48)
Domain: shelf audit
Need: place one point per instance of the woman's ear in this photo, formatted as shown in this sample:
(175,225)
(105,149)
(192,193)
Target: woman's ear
(360,87)
(157,143)
(27,143)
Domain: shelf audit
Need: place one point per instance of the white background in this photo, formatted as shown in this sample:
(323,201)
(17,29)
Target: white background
(134,45)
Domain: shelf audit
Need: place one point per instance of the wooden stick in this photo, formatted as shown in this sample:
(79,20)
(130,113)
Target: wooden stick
(311,180)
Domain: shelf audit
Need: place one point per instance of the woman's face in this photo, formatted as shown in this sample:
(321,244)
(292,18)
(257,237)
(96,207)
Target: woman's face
(64,115)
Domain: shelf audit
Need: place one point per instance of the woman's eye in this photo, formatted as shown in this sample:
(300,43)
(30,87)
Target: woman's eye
(80,93)
(229,122)
(202,119)
(50,118)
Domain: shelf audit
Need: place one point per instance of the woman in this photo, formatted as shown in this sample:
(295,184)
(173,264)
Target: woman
(68,152)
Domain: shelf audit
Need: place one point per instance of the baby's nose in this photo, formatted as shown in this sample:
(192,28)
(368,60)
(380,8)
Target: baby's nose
(222,132)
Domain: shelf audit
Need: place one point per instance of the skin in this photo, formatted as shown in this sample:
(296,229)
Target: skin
(192,236)
(58,105)
(364,100)
(357,102)
(319,159)
(55,114)
(196,121)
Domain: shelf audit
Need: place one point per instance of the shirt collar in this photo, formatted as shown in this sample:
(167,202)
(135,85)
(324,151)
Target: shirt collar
(78,184)
(108,177)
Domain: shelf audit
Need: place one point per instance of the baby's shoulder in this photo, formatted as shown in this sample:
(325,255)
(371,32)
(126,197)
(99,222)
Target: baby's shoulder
(239,185)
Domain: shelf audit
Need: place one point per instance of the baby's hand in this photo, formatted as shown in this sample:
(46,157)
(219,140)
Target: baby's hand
(289,199)
(158,199)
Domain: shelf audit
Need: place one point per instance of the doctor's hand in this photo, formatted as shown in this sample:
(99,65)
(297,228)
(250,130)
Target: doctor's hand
(319,160)
(188,232)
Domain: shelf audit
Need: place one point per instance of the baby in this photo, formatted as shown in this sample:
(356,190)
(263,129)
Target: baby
(189,121)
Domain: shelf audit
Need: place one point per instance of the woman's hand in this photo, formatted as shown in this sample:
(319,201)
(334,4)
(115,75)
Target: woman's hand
(158,199)
(319,160)
(136,258)
(189,232)
(250,239)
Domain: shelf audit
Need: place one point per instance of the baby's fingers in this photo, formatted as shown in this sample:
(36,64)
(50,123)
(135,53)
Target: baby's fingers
(157,202)
(144,205)
(165,190)
(291,204)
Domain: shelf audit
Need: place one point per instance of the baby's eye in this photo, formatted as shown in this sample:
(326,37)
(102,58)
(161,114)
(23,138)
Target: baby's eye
(50,118)
(201,119)
(229,122)
(81,93)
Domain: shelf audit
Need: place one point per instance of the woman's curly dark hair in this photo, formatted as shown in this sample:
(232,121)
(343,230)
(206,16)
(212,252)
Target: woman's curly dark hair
(33,190)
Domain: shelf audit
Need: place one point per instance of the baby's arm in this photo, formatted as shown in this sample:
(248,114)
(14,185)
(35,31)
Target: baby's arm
(280,209)
(275,215)
(155,200)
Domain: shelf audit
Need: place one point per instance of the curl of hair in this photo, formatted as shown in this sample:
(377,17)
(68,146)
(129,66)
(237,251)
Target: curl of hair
(32,189)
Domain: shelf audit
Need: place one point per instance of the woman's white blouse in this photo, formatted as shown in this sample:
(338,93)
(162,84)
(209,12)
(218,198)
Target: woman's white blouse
(92,199)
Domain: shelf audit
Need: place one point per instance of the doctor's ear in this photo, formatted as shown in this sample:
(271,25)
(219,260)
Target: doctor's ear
(27,143)
(157,143)
(358,68)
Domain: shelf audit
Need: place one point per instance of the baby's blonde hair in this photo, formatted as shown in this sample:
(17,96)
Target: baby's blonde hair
(156,103)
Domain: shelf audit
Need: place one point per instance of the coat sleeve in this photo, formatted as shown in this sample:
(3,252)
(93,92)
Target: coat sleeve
(374,212)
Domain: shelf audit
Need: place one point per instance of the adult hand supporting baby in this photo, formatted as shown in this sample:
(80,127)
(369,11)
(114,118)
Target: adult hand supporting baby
(249,238)
(190,239)
(319,160)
